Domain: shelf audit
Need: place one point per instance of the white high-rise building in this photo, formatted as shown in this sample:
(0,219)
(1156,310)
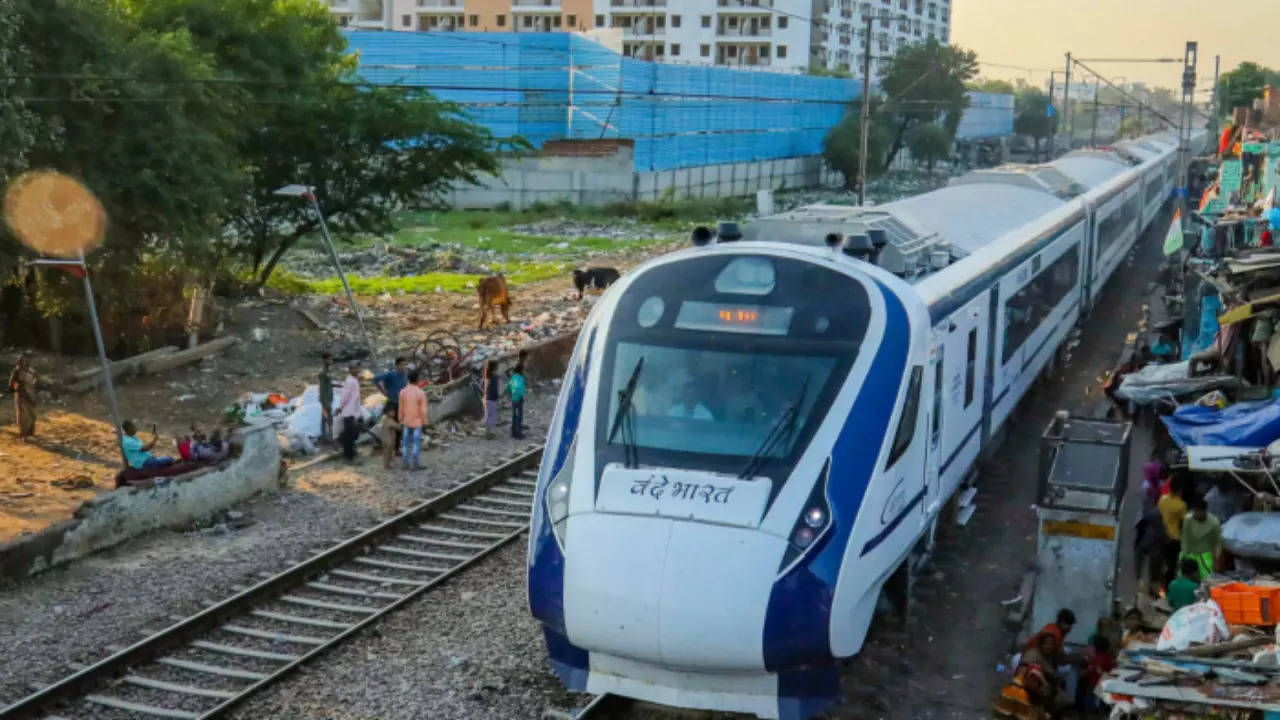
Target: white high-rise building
(781,35)
(778,35)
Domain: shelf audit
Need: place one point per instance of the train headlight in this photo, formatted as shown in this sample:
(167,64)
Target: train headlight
(815,518)
(812,524)
(803,537)
(557,497)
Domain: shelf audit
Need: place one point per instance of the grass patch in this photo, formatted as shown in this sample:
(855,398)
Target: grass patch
(518,273)
(488,229)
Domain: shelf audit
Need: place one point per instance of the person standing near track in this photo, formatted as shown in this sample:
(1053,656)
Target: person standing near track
(491,394)
(516,389)
(413,416)
(22,383)
(1173,509)
(1201,536)
(351,411)
(326,399)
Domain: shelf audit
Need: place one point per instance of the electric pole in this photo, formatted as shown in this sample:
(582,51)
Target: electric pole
(1066,104)
(1184,129)
(1215,106)
(866,114)
(1048,109)
(1093,134)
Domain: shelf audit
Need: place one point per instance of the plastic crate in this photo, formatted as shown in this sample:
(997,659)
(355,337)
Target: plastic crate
(1244,604)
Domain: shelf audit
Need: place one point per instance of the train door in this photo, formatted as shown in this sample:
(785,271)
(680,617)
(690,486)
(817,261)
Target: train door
(1089,269)
(933,458)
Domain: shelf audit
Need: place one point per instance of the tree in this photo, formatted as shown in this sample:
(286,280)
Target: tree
(929,143)
(366,150)
(1032,118)
(993,86)
(1132,127)
(1240,87)
(925,83)
(128,111)
(842,147)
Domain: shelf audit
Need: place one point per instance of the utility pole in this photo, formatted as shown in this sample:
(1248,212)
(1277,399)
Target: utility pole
(866,114)
(1184,129)
(1049,111)
(1093,134)
(1215,106)
(1066,103)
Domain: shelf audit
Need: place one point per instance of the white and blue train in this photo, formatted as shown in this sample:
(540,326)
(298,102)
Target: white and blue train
(753,436)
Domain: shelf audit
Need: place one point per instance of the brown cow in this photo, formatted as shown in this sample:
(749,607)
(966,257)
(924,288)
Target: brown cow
(493,293)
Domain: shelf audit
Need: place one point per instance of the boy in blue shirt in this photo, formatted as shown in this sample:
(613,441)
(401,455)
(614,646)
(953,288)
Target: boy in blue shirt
(516,389)
(138,454)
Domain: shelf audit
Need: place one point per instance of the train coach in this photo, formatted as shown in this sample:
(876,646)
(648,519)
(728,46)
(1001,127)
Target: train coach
(754,435)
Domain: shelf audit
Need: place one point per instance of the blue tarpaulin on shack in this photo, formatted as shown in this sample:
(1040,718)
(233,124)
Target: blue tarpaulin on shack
(1255,424)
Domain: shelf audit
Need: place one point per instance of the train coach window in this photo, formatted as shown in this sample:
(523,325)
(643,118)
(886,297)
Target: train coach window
(907,423)
(1030,306)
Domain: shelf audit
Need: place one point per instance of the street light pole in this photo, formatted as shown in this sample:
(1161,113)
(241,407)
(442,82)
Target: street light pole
(78,267)
(308,193)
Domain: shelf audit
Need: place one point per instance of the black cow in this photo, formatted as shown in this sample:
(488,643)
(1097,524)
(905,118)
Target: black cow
(598,278)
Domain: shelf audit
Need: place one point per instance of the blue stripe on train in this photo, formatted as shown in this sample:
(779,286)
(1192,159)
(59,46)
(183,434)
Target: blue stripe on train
(797,621)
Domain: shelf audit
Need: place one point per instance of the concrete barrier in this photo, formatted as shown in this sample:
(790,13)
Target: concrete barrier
(116,516)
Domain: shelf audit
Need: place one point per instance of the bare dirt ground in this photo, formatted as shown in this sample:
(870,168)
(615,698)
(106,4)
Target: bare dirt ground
(73,456)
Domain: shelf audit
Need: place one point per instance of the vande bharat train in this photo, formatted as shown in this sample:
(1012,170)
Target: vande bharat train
(754,434)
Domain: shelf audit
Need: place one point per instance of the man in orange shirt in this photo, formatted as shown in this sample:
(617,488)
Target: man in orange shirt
(413,415)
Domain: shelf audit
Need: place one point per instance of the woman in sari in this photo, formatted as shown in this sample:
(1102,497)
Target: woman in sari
(22,383)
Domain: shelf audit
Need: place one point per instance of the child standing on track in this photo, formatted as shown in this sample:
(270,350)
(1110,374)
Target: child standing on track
(516,389)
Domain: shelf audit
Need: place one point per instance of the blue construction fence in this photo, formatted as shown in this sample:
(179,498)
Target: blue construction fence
(544,86)
(560,85)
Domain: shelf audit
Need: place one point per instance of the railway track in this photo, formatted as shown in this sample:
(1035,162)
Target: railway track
(204,665)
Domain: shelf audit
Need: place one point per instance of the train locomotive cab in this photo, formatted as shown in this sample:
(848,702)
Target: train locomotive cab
(731,451)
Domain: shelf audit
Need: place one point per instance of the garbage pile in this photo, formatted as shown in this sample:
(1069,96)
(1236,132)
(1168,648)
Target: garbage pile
(1219,657)
(383,259)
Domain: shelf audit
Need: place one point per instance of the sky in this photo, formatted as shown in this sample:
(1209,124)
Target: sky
(1037,34)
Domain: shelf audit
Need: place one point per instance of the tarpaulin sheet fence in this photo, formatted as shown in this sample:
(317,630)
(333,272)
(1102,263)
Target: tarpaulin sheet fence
(554,85)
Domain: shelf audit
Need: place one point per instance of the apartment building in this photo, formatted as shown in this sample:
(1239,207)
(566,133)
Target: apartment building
(778,35)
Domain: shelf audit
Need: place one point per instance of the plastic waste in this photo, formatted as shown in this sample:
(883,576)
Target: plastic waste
(1198,624)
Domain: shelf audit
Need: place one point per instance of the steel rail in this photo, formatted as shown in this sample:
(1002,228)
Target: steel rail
(181,634)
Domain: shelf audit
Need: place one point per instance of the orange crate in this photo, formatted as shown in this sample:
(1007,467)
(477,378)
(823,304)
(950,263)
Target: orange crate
(1244,604)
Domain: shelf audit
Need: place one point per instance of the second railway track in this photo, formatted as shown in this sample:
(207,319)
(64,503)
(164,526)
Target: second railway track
(206,664)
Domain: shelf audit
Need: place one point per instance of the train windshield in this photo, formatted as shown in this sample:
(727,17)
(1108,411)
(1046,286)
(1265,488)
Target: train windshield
(730,360)
(721,403)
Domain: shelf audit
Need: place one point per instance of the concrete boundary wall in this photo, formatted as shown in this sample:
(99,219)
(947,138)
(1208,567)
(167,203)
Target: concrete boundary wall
(548,360)
(116,516)
(603,180)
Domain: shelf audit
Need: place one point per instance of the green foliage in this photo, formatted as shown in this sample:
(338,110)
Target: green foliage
(184,115)
(842,147)
(518,273)
(925,83)
(930,143)
(1132,127)
(1240,87)
(1031,108)
(992,85)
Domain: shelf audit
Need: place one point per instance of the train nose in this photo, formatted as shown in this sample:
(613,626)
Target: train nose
(677,593)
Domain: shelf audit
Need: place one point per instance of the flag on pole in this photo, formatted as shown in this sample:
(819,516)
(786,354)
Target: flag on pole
(1173,241)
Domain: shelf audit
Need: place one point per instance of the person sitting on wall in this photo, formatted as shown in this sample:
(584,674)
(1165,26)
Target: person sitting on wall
(137,454)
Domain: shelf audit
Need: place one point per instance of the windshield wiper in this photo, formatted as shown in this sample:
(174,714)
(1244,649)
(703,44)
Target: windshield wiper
(784,427)
(623,418)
